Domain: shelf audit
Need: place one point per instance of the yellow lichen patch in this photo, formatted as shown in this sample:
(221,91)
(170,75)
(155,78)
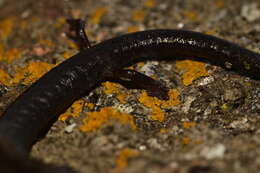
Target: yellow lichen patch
(34,19)
(133,29)
(192,70)
(24,24)
(73,111)
(138,15)
(111,88)
(11,55)
(191,15)
(114,88)
(124,156)
(186,140)
(31,72)
(220,3)
(60,22)
(150,3)
(211,32)
(90,105)
(188,125)
(157,114)
(98,13)
(95,120)
(224,107)
(164,130)
(2,52)
(48,43)
(140,64)
(72,44)
(6,27)
(4,78)
(122,97)
(156,104)
(67,54)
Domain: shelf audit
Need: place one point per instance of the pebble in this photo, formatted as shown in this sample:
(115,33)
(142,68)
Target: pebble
(214,152)
(70,128)
(251,12)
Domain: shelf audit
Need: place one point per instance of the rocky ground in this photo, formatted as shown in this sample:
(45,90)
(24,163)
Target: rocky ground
(212,123)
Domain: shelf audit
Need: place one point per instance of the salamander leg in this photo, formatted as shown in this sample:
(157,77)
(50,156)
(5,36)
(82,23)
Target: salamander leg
(128,78)
(137,80)
(77,33)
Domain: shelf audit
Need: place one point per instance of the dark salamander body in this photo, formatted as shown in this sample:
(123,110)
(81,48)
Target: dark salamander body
(33,113)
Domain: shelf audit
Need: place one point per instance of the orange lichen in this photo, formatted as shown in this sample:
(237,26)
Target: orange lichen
(67,54)
(5,78)
(186,140)
(150,3)
(156,104)
(140,64)
(45,42)
(114,88)
(24,24)
(122,97)
(60,22)
(157,114)
(211,32)
(6,27)
(95,120)
(133,29)
(138,15)
(191,15)
(31,72)
(98,13)
(72,44)
(34,19)
(188,125)
(74,110)
(90,105)
(11,55)
(220,3)
(111,88)
(124,156)
(164,130)
(191,70)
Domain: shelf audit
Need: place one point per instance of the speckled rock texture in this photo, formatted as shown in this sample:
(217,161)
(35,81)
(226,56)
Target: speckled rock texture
(214,127)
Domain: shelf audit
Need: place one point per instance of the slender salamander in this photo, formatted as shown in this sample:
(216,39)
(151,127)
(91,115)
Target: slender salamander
(32,114)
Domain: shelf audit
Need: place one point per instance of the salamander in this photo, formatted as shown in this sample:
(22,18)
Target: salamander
(32,114)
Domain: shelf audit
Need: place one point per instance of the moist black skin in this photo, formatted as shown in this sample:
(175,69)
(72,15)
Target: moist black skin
(32,114)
